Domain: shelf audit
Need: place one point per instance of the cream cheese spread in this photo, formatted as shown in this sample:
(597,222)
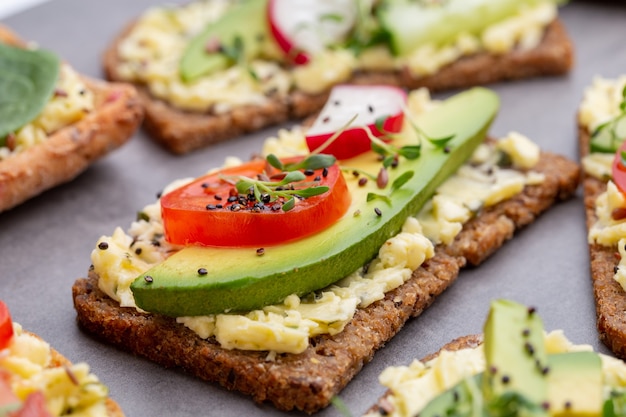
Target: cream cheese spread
(151,52)
(69,390)
(287,327)
(71,101)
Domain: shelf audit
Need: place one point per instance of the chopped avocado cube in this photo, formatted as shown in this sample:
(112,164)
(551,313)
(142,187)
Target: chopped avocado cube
(575,384)
(241,34)
(237,279)
(516,362)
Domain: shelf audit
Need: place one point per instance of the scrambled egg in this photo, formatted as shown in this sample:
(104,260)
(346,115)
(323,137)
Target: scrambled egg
(151,52)
(414,386)
(287,327)
(68,390)
(71,101)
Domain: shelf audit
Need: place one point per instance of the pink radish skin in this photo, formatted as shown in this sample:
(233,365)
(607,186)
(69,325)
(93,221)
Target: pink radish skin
(369,103)
(302,28)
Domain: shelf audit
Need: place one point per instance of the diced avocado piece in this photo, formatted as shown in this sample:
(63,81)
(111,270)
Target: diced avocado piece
(463,399)
(609,137)
(516,362)
(411,24)
(237,279)
(575,384)
(242,33)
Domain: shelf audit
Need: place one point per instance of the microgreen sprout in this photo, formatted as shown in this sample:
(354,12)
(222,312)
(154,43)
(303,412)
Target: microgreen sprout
(395,185)
(284,186)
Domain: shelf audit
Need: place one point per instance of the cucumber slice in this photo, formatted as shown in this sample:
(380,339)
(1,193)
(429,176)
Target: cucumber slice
(608,137)
(411,24)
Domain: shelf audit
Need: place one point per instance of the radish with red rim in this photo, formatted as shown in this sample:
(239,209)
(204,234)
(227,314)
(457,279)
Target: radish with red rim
(305,27)
(350,110)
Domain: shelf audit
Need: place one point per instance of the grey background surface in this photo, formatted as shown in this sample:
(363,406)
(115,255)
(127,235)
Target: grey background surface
(45,243)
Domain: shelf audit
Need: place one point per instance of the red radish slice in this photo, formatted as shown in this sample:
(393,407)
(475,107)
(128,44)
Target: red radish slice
(305,27)
(368,104)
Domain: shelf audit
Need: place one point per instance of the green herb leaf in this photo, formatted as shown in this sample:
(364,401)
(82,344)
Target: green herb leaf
(340,406)
(334,17)
(311,192)
(411,151)
(244,184)
(401,180)
(274,161)
(292,176)
(289,204)
(380,123)
(388,161)
(374,196)
(142,215)
(27,81)
(440,142)
(314,161)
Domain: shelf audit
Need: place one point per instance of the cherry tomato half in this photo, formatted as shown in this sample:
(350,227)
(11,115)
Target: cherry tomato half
(6,326)
(209,211)
(619,170)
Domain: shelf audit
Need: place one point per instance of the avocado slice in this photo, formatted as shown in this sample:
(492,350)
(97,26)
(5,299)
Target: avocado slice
(237,279)
(241,34)
(463,399)
(411,24)
(575,384)
(515,355)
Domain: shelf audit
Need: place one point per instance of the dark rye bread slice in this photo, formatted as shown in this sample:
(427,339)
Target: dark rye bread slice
(69,151)
(183,131)
(609,295)
(309,380)
(384,407)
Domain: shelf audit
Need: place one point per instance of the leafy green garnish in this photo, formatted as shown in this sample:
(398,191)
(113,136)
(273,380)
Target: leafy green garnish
(612,127)
(27,81)
(395,185)
(284,187)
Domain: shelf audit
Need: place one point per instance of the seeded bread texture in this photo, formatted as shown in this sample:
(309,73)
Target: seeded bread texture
(309,380)
(609,295)
(182,131)
(69,151)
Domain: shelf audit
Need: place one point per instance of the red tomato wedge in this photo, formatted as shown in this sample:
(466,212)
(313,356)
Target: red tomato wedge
(6,326)
(210,211)
(304,27)
(367,105)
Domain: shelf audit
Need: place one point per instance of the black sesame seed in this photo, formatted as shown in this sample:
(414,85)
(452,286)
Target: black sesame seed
(235,207)
(446,149)
(615,269)
(506,379)
(210,207)
(138,251)
(308,172)
(526,332)
(202,271)
(545,370)
(336,102)
(531,311)
(148,279)
(205,185)
(362,181)
(266,198)
(370,108)
(217,197)
(103,246)
(567,405)
(326,119)
(529,348)
(545,405)
(318,178)
(378,212)
(325,172)
(260,251)
(232,199)
(493,370)
(219,206)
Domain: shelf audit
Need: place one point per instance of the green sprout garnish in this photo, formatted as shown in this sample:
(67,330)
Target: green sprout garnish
(270,191)
(395,185)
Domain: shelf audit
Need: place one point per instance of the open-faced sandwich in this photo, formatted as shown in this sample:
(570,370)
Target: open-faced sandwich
(36,380)
(281,277)
(210,70)
(514,369)
(54,122)
(602,130)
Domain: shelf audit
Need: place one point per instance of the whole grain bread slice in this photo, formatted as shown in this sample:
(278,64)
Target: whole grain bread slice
(182,131)
(69,151)
(309,380)
(610,297)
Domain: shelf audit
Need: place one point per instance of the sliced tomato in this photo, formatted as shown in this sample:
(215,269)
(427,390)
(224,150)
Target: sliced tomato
(210,211)
(6,325)
(619,169)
